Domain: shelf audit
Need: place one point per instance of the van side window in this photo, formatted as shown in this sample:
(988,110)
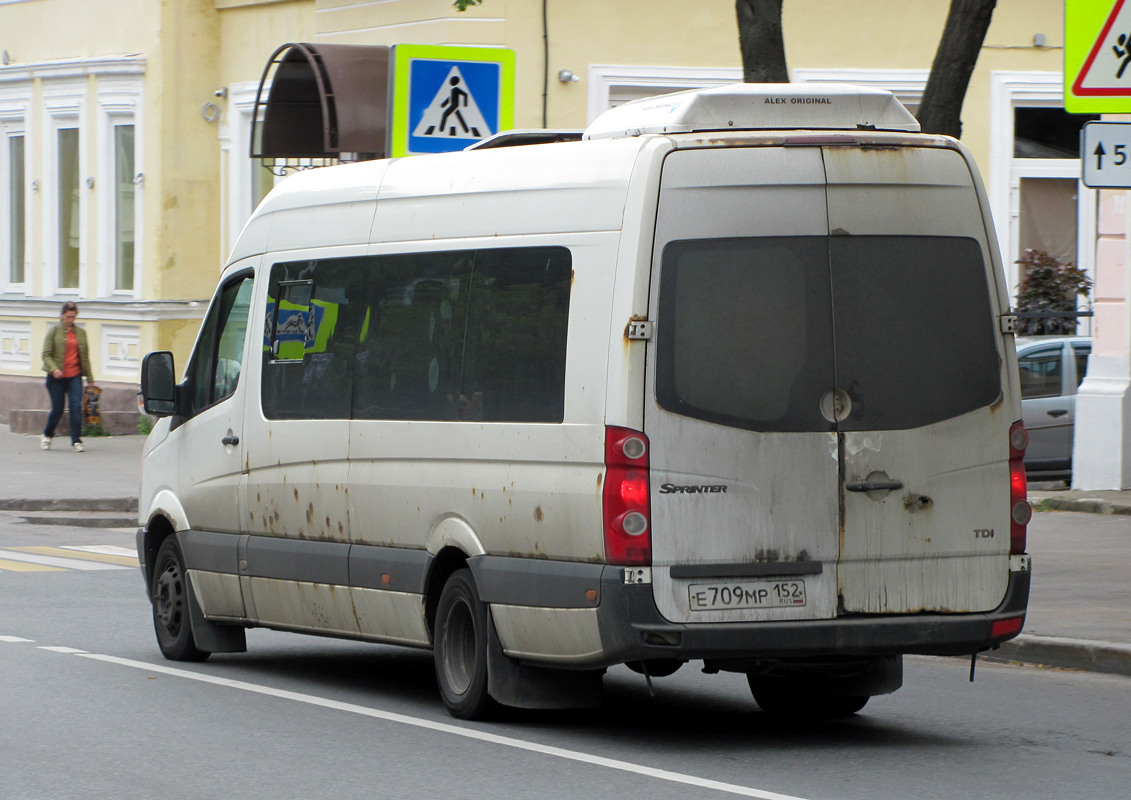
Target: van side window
(465,335)
(215,365)
(514,355)
(409,353)
(315,312)
(1040,372)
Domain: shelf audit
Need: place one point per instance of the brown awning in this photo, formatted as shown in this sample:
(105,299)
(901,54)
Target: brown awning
(324,100)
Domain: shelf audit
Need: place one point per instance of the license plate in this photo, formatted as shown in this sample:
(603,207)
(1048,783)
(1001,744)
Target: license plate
(746,594)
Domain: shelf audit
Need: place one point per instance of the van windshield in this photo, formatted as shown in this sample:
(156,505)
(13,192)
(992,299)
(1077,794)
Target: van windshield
(754,331)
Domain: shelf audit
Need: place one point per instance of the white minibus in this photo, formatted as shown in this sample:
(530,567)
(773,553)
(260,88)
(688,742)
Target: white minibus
(730,380)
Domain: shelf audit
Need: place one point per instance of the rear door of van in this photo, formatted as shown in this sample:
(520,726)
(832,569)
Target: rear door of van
(827,372)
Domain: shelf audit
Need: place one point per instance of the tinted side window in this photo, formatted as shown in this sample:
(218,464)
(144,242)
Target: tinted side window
(515,349)
(1082,352)
(315,313)
(745,332)
(411,344)
(1040,372)
(215,365)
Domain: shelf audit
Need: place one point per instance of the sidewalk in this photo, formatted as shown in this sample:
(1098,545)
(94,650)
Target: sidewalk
(1079,609)
(104,478)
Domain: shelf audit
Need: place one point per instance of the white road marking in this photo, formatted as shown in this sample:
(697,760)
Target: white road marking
(52,561)
(14,639)
(441,727)
(102,549)
(59,649)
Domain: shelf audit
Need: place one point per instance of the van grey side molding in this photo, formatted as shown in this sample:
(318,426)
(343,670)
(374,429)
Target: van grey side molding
(771,569)
(537,582)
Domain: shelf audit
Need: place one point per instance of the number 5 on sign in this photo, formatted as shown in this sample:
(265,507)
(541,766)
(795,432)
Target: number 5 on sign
(1105,152)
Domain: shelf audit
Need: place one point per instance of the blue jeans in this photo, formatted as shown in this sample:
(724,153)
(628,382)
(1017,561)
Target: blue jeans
(71,389)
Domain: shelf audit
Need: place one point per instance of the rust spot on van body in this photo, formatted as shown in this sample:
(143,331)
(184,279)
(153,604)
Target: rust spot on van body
(538,513)
(917,502)
(296,490)
(310,514)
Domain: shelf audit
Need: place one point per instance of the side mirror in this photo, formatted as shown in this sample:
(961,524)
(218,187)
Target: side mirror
(159,384)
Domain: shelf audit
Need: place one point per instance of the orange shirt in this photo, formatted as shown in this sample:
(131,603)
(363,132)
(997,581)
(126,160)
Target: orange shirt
(71,366)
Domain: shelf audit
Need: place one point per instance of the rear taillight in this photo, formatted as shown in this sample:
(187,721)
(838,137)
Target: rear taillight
(1007,627)
(1020,512)
(628,522)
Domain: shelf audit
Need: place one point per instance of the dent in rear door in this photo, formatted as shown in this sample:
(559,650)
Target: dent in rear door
(743,464)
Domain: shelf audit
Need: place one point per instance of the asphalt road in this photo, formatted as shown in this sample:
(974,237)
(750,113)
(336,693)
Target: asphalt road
(305,717)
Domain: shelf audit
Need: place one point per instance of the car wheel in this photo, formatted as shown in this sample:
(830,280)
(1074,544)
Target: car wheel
(170,595)
(461,648)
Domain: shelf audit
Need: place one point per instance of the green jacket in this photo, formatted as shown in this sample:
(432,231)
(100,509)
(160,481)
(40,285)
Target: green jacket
(55,350)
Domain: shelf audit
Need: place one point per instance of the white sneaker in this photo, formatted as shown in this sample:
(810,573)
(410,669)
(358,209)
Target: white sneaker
(77,447)
(44,442)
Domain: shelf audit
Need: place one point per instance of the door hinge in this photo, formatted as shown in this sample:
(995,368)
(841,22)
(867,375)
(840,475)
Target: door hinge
(638,329)
(1009,323)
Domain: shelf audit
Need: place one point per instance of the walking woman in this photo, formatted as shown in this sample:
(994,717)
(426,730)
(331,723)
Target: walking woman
(66,359)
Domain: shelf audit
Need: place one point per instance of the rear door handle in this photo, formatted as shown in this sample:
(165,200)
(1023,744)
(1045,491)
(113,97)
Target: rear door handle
(871,486)
(1058,412)
(232,440)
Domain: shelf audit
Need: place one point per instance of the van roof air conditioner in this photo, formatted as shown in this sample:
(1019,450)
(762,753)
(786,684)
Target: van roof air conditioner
(757,106)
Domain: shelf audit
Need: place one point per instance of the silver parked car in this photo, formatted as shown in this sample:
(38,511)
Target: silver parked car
(1051,368)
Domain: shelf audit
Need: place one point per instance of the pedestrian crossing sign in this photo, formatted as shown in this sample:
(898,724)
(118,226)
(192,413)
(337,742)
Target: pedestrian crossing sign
(1097,56)
(446,98)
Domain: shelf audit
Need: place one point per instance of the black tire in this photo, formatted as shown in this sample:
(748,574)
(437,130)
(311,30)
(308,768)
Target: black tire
(461,648)
(170,596)
(805,705)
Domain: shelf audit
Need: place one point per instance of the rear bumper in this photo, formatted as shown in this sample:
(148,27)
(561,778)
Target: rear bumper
(632,630)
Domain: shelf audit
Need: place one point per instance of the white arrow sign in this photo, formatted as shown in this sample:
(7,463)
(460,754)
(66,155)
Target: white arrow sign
(1106,155)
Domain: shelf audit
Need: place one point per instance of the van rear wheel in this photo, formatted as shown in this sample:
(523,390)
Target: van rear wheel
(461,648)
(808,705)
(170,596)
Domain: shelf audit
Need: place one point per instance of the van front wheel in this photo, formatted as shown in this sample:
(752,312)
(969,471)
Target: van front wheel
(461,648)
(171,605)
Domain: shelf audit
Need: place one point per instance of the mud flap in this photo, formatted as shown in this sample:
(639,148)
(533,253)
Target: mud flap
(211,637)
(522,686)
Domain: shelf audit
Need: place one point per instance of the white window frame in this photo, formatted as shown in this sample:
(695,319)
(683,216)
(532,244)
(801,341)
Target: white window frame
(1010,90)
(604,79)
(64,106)
(119,103)
(14,121)
(235,144)
(906,84)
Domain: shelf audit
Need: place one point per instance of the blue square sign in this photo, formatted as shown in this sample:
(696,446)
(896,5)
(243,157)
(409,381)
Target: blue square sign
(446,98)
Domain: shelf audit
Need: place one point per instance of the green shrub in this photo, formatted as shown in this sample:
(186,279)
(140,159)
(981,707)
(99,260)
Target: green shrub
(1049,286)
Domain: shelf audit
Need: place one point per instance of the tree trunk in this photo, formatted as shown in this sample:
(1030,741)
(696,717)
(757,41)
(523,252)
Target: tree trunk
(966,25)
(760,39)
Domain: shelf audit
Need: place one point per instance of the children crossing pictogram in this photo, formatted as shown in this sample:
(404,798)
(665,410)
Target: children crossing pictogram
(453,112)
(1105,73)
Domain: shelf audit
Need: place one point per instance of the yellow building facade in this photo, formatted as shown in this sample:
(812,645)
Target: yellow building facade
(125,127)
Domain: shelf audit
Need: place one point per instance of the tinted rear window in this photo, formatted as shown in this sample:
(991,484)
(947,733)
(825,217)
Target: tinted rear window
(753,331)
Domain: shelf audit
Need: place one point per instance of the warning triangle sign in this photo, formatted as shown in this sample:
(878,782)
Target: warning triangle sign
(453,112)
(1107,69)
